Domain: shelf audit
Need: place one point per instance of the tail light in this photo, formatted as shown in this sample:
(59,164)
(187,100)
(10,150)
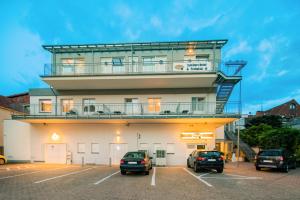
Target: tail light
(201,158)
(122,161)
(221,158)
(281,158)
(143,162)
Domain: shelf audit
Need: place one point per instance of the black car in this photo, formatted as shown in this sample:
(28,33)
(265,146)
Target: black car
(136,161)
(206,160)
(275,159)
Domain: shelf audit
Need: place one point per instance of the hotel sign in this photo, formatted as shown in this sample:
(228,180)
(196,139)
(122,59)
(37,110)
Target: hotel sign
(192,66)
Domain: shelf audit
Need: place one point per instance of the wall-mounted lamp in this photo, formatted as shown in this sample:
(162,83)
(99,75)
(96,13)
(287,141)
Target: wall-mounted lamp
(55,136)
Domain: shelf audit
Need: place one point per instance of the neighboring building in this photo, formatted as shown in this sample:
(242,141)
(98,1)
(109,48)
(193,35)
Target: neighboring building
(290,109)
(106,99)
(6,111)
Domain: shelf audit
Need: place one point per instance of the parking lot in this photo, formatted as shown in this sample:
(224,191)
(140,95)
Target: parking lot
(45,181)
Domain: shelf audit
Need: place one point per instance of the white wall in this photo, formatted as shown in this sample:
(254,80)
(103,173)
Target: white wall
(27,141)
(17,140)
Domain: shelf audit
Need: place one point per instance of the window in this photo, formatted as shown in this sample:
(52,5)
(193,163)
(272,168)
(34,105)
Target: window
(202,57)
(154,104)
(89,106)
(198,103)
(117,61)
(72,65)
(45,105)
(170,148)
(292,106)
(81,147)
(67,105)
(200,146)
(95,148)
(148,63)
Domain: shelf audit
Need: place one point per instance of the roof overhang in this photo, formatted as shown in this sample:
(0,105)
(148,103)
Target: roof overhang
(137,46)
(132,81)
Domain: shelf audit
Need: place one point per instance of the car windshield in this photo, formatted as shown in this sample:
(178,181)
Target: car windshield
(270,153)
(134,155)
(209,154)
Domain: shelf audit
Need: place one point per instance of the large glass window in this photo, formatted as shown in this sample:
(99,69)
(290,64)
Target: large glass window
(198,103)
(154,104)
(45,105)
(118,64)
(72,65)
(67,105)
(148,63)
(89,106)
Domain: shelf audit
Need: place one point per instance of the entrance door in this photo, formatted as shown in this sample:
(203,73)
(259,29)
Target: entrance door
(117,151)
(56,153)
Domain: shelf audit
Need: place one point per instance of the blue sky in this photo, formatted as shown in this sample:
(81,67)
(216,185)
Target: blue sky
(264,33)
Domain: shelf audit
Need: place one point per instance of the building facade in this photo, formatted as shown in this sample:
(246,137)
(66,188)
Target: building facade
(107,99)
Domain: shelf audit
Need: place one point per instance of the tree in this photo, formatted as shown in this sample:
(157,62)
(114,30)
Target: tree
(286,138)
(251,135)
(272,120)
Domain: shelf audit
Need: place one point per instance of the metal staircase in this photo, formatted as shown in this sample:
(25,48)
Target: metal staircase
(244,147)
(226,82)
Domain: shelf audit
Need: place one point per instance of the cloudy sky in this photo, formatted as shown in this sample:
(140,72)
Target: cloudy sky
(264,33)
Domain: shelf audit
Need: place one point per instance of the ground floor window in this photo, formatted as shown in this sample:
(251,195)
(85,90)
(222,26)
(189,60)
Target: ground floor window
(154,104)
(67,105)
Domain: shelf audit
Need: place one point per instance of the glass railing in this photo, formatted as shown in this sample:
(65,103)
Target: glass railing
(132,110)
(103,68)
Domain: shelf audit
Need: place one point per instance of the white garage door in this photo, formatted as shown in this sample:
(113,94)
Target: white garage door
(56,153)
(117,151)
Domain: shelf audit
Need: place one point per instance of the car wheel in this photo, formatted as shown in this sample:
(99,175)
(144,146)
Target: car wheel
(123,172)
(258,168)
(146,172)
(188,164)
(196,169)
(285,169)
(220,170)
(2,161)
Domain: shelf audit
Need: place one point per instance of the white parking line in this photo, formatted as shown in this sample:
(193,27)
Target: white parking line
(105,178)
(240,178)
(60,176)
(153,177)
(198,177)
(12,176)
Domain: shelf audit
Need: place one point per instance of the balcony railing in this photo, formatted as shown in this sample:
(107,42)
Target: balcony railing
(132,110)
(106,68)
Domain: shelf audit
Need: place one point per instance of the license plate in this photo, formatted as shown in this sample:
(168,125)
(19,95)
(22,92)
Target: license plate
(211,159)
(268,161)
(132,162)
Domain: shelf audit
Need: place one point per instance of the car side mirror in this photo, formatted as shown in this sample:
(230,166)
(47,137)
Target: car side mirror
(150,157)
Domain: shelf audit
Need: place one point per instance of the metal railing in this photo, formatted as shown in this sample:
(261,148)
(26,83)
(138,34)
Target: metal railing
(132,110)
(160,67)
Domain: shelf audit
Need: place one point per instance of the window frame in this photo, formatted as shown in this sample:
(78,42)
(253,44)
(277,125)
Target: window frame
(40,107)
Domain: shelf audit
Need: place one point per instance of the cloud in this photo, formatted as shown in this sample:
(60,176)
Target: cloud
(156,22)
(196,25)
(24,45)
(242,47)
(69,26)
(265,105)
(132,35)
(123,10)
(268,20)
(281,73)
(267,48)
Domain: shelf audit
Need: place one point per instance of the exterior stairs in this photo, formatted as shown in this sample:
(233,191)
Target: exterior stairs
(248,151)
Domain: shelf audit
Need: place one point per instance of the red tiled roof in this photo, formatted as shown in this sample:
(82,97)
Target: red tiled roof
(288,109)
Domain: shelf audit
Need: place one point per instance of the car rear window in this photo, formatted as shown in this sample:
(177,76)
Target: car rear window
(209,154)
(135,155)
(270,153)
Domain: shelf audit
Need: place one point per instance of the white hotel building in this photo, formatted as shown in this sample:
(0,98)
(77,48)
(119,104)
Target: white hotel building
(107,99)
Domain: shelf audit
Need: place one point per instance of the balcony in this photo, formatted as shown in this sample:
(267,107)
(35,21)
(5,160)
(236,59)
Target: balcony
(102,111)
(108,75)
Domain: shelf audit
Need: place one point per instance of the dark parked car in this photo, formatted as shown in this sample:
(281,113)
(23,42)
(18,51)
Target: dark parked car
(136,161)
(206,160)
(275,159)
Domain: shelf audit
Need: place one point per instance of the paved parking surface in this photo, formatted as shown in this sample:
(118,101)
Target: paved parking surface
(43,181)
